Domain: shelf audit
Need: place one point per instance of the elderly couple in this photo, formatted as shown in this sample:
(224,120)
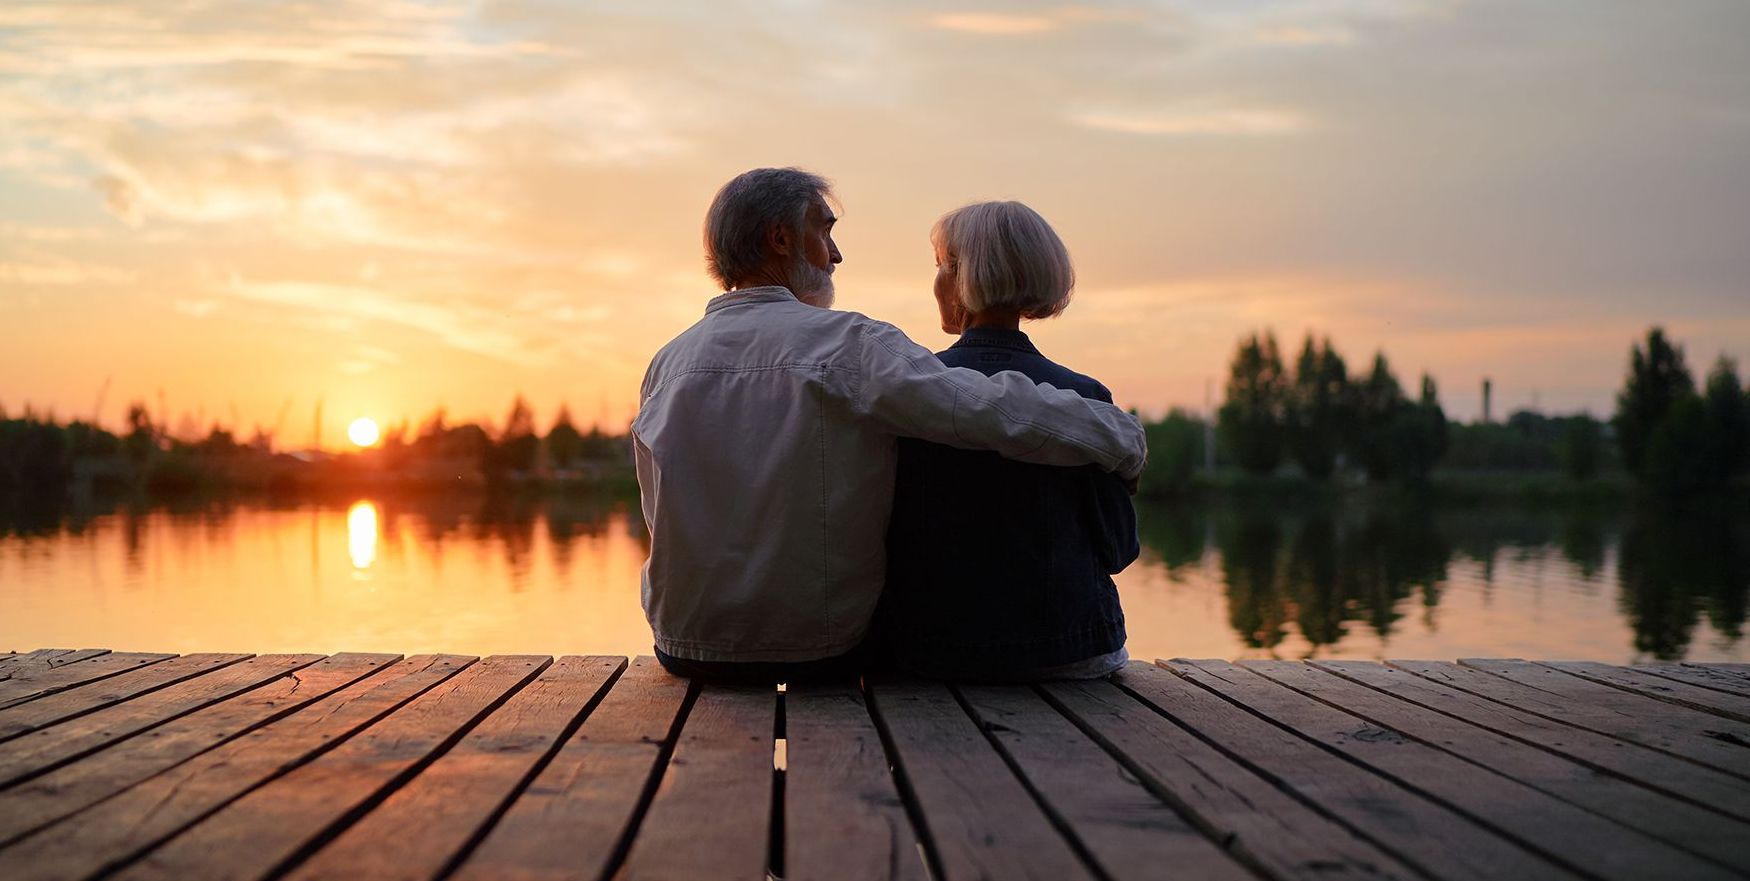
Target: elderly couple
(824,495)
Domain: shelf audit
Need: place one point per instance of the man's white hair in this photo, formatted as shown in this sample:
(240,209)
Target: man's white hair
(1005,256)
(746,208)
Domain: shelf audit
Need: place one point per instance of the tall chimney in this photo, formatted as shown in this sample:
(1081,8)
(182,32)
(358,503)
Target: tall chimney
(1488,388)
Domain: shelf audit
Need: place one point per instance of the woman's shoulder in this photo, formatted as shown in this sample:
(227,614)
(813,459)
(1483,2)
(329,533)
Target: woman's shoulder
(1081,383)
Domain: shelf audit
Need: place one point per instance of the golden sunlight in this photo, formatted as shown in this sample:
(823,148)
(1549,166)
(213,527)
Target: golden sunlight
(363,432)
(361,534)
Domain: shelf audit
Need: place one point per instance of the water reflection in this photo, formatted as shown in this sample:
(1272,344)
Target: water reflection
(1348,579)
(1299,579)
(361,534)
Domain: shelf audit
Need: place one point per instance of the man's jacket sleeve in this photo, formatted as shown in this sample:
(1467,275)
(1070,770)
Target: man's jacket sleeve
(902,385)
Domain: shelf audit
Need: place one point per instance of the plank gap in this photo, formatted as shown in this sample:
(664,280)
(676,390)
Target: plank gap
(780,764)
(623,847)
(473,842)
(907,795)
(339,825)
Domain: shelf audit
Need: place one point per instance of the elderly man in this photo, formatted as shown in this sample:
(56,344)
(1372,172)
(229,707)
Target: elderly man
(766,446)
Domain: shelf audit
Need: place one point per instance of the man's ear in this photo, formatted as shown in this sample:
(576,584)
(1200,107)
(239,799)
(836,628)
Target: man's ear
(778,239)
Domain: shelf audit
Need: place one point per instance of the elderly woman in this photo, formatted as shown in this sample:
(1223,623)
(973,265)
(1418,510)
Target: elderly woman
(999,570)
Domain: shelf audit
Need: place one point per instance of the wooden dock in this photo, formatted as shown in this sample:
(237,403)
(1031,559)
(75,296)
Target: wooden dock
(359,766)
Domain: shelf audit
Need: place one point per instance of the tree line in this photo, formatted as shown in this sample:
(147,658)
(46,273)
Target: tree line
(40,455)
(1321,421)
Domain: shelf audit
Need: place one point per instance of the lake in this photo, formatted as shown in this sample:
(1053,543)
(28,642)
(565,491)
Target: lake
(1217,579)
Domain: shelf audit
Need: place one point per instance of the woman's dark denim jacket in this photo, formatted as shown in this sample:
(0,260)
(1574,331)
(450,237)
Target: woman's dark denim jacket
(997,567)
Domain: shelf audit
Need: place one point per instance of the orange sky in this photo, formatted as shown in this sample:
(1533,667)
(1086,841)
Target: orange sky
(390,206)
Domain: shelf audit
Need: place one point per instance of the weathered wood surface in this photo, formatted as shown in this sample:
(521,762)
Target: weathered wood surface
(843,815)
(593,792)
(527,769)
(711,817)
(19,686)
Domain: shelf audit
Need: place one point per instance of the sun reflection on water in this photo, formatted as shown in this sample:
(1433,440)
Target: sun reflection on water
(361,534)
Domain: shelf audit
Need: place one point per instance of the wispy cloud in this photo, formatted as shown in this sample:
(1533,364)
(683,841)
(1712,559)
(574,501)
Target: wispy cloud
(195,308)
(459,325)
(1305,35)
(48,270)
(1249,122)
(994,23)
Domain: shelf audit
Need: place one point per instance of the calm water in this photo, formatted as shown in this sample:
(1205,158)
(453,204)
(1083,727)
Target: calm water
(1223,580)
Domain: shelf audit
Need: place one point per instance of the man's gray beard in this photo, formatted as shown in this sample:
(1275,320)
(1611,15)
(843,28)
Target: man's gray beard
(811,284)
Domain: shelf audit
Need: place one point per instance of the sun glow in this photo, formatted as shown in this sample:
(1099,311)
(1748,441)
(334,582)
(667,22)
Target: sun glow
(361,534)
(363,432)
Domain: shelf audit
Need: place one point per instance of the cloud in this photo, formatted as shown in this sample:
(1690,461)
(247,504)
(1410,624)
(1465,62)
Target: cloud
(459,325)
(1250,122)
(1299,35)
(196,308)
(48,270)
(394,124)
(994,23)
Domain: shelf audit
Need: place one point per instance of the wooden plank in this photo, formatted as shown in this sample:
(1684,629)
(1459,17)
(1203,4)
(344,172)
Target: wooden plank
(575,819)
(74,702)
(1437,840)
(1127,830)
(417,831)
(979,820)
(45,799)
(25,687)
(1721,839)
(711,817)
(32,664)
(1270,830)
(108,835)
(843,817)
(1579,839)
(268,831)
(1689,734)
(1704,675)
(1695,697)
(42,750)
(1676,777)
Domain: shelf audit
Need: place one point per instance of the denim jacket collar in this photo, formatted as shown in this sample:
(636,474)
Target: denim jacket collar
(996,337)
(743,296)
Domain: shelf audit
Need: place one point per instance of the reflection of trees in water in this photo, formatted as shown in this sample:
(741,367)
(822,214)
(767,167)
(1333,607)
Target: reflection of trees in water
(1250,543)
(1337,564)
(513,522)
(1174,532)
(1678,561)
(1583,540)
(1327,566)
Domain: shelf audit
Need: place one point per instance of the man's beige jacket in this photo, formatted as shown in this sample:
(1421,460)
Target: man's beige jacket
(765,451)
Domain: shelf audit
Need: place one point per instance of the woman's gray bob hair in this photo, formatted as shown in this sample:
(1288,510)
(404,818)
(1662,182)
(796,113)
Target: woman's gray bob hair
(749,205)
(1005,256)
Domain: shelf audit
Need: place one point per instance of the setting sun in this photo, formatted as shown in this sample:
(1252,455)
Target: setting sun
(363,432)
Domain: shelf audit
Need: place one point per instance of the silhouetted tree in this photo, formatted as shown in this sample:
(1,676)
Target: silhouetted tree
(1175,447)
(1657,380)
(1579,452)
(1377,403)
(1683,452)
(1251,420)
(564,443)
(142,439)
(33,456)
(517,444)
(1318,409)
(1418,435)
(1728,413)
